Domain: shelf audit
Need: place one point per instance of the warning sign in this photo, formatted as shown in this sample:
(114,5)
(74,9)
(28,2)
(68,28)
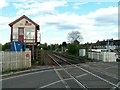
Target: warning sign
(27,56)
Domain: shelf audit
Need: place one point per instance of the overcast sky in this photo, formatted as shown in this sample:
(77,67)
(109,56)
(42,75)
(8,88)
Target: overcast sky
(95,20)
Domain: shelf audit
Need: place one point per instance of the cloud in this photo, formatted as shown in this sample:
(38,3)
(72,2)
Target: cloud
(5,28)
(52,35)
(6,20)
(91,25)
(78,4)
(55,26)
(18,5)
(3,4)
(64,21)
(76,7)
(65,26)
(24,1)
(108,19)
(47,7)
(99,3)
(105,16)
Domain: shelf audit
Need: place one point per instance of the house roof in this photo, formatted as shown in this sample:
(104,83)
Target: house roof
(17,20)
(76,41)
(114,42)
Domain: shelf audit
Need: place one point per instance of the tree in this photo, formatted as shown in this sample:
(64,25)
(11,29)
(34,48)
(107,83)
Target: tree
(0,47)
(74,35)
(53,46)
(73,49)
(43,46)
(6,46)
(64,44)
(60,47)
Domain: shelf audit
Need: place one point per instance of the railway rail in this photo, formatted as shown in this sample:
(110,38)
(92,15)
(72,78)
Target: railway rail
(74,78)
(67,73)
(61,61)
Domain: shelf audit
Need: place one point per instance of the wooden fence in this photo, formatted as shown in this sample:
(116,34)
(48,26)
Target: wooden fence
(15,60)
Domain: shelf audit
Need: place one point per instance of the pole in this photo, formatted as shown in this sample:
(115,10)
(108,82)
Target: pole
(108,46)
(15,47)
(33,48)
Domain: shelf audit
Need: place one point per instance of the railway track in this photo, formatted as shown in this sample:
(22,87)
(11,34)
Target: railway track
(61,61)
(92,68)
(67,75)
(72,59)
(45,60)
(74,78)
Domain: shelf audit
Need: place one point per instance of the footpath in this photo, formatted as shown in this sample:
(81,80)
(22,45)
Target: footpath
(32,69)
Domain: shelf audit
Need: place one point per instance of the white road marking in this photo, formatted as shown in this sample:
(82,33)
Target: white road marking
(78,82)
(60,81)
(98,77)
(81,75)
(109,64)
(113,88)
(48,85)
(66,68)
(118,84)
(111,67)
(102,70)
(92,73)
(60,77)
(26,74)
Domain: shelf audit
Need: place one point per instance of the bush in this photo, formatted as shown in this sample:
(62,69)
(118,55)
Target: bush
(73,49)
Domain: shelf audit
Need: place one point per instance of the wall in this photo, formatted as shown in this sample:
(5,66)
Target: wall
(82,52)
(29,30)
(15,60)
(103,56)
(22,22)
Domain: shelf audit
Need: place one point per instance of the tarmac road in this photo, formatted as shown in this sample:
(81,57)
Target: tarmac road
(91,75)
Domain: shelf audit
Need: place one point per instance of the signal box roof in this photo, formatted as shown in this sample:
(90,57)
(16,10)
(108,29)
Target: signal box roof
(17,20)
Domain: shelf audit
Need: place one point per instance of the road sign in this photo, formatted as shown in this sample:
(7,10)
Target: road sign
(27,56)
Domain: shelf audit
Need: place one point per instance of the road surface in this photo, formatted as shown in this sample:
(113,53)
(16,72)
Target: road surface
(91,75)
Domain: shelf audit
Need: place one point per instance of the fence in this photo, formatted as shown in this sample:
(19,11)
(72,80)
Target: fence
(103,56)
(15,60)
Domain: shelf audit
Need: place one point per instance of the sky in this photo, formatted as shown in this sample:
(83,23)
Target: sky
(94,20)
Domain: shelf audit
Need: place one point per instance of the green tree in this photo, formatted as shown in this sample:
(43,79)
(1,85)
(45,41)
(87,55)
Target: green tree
(0,47)
(59,47)
(6,46)
(52,47)
(48,47)
(64,44)
(43,46)
(73,49)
